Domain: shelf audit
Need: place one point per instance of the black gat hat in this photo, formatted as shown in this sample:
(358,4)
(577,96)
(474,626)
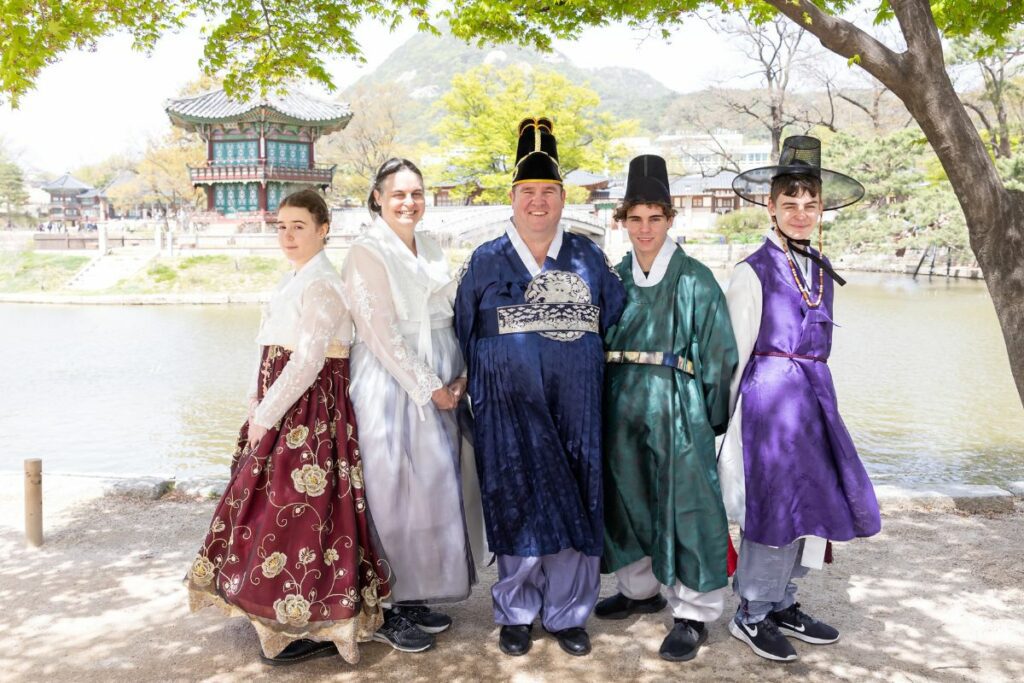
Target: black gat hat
(537,153)
(647,182)
(800,155)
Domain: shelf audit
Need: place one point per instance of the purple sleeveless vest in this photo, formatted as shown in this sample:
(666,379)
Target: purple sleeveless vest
(802,473)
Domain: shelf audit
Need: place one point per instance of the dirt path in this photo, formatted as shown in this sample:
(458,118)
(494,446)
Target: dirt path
(936,597)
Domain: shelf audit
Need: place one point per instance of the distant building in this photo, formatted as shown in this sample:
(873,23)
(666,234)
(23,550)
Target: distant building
(595,185)
(258,151)
(73,202)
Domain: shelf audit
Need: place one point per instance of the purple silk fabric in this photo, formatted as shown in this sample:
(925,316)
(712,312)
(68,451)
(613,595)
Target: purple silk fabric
(803,475)
(563,588)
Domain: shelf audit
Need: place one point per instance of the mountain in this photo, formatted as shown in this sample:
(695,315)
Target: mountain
(425,65)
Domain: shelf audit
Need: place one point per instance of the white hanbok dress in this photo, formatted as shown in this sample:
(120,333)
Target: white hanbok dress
(415,459)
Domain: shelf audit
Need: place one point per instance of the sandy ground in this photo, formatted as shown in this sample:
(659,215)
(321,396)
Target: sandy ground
(936,597)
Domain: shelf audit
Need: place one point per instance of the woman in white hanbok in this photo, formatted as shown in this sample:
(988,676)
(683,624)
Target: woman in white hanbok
(408,378)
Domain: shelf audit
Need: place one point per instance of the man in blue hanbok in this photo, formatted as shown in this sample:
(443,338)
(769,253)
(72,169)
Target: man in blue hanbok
(531,308)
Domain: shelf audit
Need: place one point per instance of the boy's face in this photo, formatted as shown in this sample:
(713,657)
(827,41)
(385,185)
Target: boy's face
(796,216)
(648,228)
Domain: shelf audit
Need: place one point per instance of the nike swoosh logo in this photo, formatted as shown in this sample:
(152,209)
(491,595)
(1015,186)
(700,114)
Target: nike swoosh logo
(750,631)
(799,629)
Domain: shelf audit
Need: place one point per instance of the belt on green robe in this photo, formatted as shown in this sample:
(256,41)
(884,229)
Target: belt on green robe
(670,360)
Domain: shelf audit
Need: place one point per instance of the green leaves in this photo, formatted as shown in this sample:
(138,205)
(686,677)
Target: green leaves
(483,108)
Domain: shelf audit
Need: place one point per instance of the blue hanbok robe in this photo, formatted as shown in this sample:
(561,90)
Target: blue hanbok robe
(536,366)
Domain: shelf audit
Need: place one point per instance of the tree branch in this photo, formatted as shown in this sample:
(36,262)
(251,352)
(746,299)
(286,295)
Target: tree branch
(845,39)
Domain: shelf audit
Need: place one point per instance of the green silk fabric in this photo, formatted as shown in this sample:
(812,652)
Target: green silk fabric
(662,496)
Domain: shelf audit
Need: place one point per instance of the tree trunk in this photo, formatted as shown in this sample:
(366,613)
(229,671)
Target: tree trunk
(994,215)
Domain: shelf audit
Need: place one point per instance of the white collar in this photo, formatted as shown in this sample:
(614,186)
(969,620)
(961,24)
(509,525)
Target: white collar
(658,268)
(524,251)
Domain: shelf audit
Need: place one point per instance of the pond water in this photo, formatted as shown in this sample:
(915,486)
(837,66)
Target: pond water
(920,368)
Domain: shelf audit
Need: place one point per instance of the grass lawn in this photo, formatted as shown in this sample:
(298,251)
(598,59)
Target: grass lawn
(33,271)
(205,273)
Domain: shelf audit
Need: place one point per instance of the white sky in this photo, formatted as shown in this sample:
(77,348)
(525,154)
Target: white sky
(91,105)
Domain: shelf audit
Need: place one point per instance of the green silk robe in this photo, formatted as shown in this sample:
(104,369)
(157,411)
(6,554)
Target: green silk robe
(661,493)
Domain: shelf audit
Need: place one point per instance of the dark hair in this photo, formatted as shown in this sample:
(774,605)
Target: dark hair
(792,184)
(389,167)
(311,201)
(623,211)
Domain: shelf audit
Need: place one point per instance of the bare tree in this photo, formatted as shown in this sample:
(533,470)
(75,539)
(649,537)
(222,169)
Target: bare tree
(370,139)
(774,48)
(998,65)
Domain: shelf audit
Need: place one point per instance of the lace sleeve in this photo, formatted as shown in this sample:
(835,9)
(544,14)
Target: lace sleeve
(373,310)
(321,314)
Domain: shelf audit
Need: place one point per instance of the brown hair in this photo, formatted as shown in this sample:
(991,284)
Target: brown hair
(792,184)
(623,211)
(311,201)
(389,167)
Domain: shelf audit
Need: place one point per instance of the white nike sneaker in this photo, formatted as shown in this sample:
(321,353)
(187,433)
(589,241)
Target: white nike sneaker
(764,639)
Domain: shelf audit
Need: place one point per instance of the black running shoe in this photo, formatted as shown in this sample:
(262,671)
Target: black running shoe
(764,639)
(402,634)
(301,650)
(796,624)
(427,620)
(683,641)
(619,606)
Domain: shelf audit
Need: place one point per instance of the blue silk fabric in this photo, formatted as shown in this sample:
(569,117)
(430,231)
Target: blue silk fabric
(802,472)
(537,399)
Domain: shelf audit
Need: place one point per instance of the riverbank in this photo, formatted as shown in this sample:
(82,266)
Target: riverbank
(934,597)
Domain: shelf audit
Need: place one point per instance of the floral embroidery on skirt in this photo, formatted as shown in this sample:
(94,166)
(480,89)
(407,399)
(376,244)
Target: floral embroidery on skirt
(291,545)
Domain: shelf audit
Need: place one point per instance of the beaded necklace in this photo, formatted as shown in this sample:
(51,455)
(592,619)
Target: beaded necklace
(792,267)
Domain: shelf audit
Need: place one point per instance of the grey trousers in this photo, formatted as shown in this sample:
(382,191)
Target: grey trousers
(563,588)
(764,578)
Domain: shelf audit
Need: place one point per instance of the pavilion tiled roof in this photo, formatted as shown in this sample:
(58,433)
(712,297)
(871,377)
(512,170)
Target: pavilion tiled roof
(66,182)
(216,106)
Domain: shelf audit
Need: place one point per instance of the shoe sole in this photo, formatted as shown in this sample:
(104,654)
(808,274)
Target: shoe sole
(792,633)
(328,650)
(513,654)
(653,608)
(687,657)
(432,630)
(401,648)
(738,633)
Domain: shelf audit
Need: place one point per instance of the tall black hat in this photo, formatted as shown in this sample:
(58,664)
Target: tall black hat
(800,155)
(537,153)
(647,182)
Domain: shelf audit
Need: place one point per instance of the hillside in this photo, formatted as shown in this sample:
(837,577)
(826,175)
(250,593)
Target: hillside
(425,65)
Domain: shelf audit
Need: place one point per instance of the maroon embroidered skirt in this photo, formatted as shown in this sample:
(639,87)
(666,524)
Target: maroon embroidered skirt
(291,545)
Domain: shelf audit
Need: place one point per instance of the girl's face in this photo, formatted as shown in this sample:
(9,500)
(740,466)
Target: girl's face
(402,200)
(298,234)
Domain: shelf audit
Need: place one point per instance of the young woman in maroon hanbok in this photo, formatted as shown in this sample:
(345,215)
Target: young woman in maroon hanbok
(291,541)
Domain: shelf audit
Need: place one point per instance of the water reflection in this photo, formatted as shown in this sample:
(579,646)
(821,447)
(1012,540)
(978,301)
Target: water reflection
(920,368)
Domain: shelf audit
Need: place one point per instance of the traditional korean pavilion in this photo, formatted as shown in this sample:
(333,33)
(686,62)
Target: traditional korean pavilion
(73,202)
(260,150)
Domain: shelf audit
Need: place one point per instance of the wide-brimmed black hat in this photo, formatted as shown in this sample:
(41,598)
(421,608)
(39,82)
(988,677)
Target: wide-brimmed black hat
(800,155)
(647,182)
(537,153)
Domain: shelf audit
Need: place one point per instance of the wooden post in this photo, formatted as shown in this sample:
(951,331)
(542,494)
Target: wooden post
(34,501)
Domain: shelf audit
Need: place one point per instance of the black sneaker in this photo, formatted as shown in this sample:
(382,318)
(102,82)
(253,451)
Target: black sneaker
(764,639)
(428,621)
(796,624)
(683,641)
(300,651)
(619,606)
(402,634)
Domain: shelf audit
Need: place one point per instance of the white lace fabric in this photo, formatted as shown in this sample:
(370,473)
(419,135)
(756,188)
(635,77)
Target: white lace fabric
(369,290)
(306,313)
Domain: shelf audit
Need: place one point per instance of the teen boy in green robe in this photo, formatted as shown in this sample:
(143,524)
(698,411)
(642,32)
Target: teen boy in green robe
(669,362)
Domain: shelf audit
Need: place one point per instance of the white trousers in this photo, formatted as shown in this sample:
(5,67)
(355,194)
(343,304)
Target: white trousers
(637,582)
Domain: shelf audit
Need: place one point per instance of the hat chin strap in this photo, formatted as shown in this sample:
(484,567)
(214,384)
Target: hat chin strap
(798,247)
